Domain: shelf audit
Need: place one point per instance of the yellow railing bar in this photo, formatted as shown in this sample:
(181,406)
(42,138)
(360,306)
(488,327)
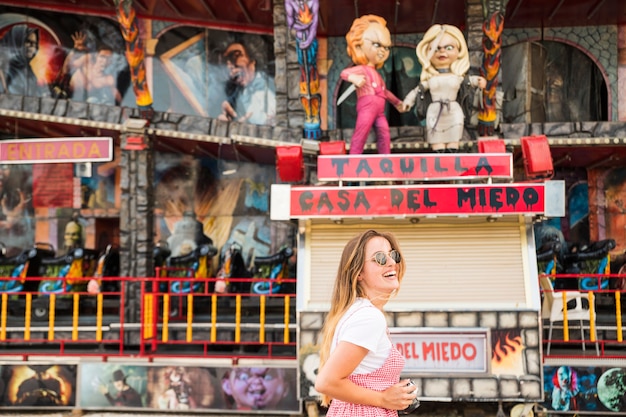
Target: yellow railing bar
(166,318)
(565,323)
(27,312)
(213,318)
(189,334)
(51,315)
(238,318)
(592,318)
(286,331)
(3,319)
(147,312)
(75,317)
(618,315)
(262,319)
(99,308)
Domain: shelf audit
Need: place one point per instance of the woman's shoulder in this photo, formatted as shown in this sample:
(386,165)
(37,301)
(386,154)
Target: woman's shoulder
(361,303)
(363,307)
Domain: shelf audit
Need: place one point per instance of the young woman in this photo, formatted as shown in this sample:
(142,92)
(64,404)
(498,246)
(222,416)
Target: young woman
(445,61)
(360,368)
(369,43)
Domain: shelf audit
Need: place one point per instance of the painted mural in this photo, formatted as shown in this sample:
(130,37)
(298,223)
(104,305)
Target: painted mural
(38,385)
(554,96)
(98,186)
(613,189)
(220,74)
(180,387)
(211,73)
(224,75)
(229,200)
(507,354)
(186,388)
(51,55)
(17,225)
(585,389)
(112,385)
(228,76)
(197,201)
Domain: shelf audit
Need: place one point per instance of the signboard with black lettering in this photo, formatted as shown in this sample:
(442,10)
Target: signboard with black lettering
(443,350)
(416,167)
(417,200)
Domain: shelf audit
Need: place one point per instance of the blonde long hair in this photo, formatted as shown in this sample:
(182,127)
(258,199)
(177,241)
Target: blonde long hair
(354,37)
(347,287)
(428,46)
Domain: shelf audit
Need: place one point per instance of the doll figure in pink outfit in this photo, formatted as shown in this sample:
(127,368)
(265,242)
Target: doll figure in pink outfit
(369,43)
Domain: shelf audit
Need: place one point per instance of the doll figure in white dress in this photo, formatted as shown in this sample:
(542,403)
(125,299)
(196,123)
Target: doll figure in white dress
(445,61)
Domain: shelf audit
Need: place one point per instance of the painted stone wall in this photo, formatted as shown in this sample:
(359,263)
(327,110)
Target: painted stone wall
(515,372)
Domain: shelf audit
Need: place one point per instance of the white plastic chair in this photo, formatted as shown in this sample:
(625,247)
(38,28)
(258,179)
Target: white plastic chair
(577,311)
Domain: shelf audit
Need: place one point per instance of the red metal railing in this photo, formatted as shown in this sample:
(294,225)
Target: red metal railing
(171,321)
(600,308)
(201,322)
(33,322)
(217,324)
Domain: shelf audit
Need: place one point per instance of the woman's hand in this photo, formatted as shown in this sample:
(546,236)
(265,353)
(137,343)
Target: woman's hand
(399,396)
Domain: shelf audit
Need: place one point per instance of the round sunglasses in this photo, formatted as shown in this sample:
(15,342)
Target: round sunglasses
(381,257)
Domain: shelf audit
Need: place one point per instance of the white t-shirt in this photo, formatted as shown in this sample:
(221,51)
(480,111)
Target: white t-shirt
(365,325)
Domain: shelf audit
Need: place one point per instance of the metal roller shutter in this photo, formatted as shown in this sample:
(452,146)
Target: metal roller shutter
(451,263)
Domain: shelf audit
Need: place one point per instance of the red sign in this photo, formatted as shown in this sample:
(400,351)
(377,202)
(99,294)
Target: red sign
(413,200)
(53,185)
(433,350)
(422,167)
(41,151)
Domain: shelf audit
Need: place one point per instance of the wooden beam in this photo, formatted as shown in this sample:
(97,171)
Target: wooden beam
(245,11)
(141,5)
(208,9)
(434,19)
(320,21)
(595,9)
(556,9)
(173,7)
(516,9)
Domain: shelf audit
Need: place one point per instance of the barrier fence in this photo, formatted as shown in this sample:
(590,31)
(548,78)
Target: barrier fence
(189,317)
(175,316)
(589,305)
(35,321)
(248,324)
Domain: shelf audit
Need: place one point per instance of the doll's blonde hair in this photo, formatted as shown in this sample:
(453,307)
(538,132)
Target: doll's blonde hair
(426,48)
(354,37)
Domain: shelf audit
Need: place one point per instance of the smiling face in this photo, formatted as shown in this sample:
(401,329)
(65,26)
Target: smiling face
(446,53)
(376,44)
(379,282)
(255,388)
